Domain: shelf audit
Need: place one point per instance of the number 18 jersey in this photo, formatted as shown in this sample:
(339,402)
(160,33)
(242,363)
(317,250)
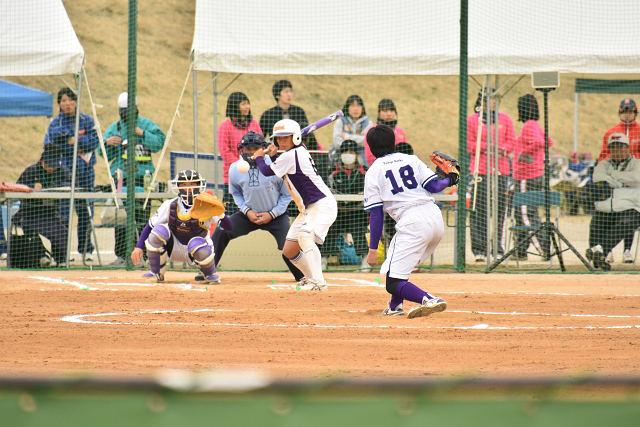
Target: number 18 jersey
(396,182)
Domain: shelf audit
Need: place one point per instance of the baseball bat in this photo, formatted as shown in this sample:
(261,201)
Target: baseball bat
(321,123)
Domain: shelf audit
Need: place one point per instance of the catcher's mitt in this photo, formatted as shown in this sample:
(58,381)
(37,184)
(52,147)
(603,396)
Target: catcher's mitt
(446,166)
(206,206)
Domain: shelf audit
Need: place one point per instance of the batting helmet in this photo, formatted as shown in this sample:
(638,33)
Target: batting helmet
(288,127)
(187,193)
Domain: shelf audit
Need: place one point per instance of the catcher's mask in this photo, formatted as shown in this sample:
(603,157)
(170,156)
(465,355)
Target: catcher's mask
(188,193)
(251,139)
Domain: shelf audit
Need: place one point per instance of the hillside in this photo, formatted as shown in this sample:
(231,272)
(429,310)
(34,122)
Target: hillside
(428,106)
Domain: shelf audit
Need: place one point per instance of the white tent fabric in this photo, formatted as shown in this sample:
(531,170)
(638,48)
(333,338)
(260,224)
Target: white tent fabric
(37,39)
(415,37)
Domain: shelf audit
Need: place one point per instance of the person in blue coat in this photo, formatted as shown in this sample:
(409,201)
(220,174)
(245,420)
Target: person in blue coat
(61,132)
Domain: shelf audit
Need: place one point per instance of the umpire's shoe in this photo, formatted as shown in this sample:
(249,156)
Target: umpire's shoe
(429,306)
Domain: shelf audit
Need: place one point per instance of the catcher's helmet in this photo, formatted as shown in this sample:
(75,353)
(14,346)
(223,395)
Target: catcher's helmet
(288,127)
(188,193)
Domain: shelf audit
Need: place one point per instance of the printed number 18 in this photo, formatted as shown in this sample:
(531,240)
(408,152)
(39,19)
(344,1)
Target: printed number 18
(408,179)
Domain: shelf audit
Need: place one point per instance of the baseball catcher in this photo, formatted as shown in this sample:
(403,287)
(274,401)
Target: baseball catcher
(179,230)
(446,167)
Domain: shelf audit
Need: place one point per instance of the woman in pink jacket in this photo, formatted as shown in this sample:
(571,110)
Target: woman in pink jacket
(506,137)
(528,170)
(230,133)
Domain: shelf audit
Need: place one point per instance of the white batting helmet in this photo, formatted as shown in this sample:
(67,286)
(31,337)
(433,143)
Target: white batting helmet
(288,127)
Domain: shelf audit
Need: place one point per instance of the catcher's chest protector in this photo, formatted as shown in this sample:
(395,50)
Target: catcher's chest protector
(184,229)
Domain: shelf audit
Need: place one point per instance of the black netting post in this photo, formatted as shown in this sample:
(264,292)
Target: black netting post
(131,129)
(461,211)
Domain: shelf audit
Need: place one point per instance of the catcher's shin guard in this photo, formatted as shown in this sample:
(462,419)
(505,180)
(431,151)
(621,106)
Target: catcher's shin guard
(203,255)
(156,249)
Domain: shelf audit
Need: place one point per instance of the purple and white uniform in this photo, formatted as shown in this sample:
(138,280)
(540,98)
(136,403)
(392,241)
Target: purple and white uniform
(397,182)
(182,223)
(318,207)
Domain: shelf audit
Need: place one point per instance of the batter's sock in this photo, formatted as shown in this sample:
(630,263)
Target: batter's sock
(411,292)
(315,259)
(303,263)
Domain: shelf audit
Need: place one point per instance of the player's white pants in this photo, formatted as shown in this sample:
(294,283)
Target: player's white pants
(180,252)
(418,233)
(318,217)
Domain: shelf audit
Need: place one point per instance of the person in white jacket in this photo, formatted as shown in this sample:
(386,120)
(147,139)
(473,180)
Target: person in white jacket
(618,215)
(354,126)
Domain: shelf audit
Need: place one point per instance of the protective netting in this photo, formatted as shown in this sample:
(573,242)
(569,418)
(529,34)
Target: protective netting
(401,61)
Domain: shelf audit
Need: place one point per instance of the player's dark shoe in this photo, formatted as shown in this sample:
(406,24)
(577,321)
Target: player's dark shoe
(600,261)
(199,277)
(589,254)
(214,278)
(388,312)
(429,306)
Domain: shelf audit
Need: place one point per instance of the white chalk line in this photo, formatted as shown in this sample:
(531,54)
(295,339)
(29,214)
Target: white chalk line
(81,318)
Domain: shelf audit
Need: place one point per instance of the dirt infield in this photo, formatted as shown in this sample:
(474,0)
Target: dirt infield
(112,323)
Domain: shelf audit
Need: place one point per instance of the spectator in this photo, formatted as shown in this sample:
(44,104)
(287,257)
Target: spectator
(628,111)
(149,139)
(387,115)
(506,137)
(43,216)
(618,215)
(528,170)
(230,133)
(61,132)
(354,126)
(352,219)
(283,94)
(261,200)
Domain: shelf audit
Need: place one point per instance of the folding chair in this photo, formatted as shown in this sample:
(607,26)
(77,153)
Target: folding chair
(537,199)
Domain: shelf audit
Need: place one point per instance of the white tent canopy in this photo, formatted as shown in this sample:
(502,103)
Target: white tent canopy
(37,39)
(415,37)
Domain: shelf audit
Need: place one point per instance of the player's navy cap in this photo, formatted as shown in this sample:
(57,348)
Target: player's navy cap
(52,155)
(628,104)
(348,144)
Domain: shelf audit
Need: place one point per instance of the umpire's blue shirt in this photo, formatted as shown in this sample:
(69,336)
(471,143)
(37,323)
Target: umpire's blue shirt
(259,193)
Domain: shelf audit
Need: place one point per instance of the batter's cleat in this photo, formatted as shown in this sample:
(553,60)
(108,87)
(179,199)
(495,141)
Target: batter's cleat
(148,275)
(312,285)
(429,306)
(157,278)
(627,258)
(214,278)
(199,277)
(388,312)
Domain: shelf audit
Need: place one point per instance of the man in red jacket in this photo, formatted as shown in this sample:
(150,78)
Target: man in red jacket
(628,112)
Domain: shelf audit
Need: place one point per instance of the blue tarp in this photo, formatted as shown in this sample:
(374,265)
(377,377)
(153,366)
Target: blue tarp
(20,101)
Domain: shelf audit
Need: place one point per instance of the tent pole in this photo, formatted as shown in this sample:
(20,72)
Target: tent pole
(75,165)
(575,127)
(195,120)
(489,185)
(215,132)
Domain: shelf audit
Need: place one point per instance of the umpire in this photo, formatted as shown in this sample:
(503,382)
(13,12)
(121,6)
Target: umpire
(262,202)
